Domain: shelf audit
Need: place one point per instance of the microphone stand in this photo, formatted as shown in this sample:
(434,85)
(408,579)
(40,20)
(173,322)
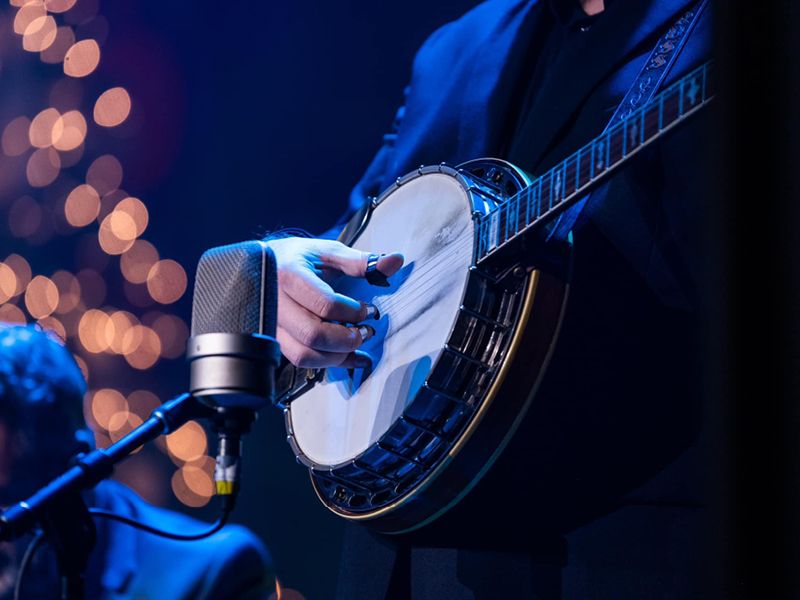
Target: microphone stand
(61,511)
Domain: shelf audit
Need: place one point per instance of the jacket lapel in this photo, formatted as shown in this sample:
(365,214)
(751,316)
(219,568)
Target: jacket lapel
(582,66)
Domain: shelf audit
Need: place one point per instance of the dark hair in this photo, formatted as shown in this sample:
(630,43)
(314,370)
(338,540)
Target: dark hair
(41,398)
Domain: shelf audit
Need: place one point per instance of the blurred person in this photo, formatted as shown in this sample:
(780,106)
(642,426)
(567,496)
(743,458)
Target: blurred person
(41,429)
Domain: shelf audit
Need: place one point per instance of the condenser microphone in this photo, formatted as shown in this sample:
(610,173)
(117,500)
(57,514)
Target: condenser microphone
(232,352)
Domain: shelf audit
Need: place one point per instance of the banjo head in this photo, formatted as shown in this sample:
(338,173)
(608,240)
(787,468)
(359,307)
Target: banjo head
(429,220)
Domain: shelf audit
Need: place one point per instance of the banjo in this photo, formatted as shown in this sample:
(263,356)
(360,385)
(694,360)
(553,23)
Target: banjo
(465,330)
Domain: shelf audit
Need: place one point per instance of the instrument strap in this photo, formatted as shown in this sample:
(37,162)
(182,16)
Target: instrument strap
(647,82)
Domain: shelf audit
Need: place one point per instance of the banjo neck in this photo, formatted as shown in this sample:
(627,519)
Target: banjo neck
(573,178)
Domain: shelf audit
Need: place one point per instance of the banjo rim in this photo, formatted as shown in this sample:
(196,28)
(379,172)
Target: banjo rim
(526,309)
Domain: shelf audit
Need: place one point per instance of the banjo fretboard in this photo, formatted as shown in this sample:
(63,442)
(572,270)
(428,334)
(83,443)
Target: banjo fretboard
(571,179)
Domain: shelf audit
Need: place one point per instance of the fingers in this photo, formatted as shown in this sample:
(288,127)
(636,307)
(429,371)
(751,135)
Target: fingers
(305,288)
(354,262)
(311,331)
(309,358)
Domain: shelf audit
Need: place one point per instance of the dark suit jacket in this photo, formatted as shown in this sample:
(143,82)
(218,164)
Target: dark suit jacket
(128,563)
(605,477)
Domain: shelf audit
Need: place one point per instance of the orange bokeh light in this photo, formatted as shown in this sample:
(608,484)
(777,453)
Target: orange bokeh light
(12,314)
(112,107)
(141,347)
(27,14)
(59,6)
(173,333)
(95,331)
(8,283)
(40,133)
(104,174)
(166,281)
(82,205)
(184,493)
(122,321)
(82,58)
(39,34)
(136,262)
(53,325)
(69,290)
(22,269)
(15,137)
(112,227)
(69,131)
(187,443)
(43,167)
(106,403)
(41,297)
(137,211)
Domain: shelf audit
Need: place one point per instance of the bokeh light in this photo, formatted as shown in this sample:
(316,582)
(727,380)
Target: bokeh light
(95,331)
(59,6)
(142,347)
(40,133)
(135,263)
(166,281)
(187,443)
(69,291)
(82,205)
(137,211)
(112,107)
(143,403)
(82,58)
(105,403)
(41,297)
(54,326)
(184,493)
(104,174)
(12,314)
(43,167)
(15,139)
(69,131)
(8,283)
(27,14)
(173,333)
(117,233)
(22,269)
(39,34)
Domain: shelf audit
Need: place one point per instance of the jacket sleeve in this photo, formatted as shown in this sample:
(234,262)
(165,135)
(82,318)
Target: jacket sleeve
(371,182)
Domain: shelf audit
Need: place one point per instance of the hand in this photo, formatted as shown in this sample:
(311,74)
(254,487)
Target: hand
(307,304)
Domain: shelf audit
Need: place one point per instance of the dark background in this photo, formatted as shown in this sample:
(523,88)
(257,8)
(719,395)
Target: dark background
(250,116)
(247,117)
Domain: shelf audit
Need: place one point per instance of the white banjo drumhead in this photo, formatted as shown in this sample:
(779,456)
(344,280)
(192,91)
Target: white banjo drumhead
(428,219)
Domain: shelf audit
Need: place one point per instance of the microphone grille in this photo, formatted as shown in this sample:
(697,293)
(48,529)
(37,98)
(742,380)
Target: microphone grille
(235,290)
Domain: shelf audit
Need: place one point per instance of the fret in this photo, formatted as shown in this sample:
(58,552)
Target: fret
(608,149)
(550,200)
(625,138)
(641,126)
(494,228)
(539,198)
(563,186)
(527,192)
(578,171)
(515,208)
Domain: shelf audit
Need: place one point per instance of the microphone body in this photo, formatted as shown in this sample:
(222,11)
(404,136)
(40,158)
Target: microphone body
(233,353)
